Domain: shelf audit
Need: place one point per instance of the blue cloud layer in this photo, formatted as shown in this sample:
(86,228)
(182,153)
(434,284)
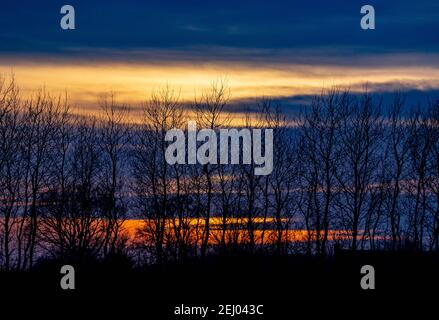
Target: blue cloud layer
(32,27)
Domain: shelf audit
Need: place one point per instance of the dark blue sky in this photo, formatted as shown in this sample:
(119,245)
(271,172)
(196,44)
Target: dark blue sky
(235,29)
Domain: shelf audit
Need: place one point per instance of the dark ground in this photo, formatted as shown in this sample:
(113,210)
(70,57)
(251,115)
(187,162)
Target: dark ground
(275,281)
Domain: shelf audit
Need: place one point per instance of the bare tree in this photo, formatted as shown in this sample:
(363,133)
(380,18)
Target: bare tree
(210,115)
(321,154)
(357,174)
(153,181)
(421,143)
(72,227)
(10,169)
(283,179)
(114,135)
(396,166)
(40,113)
(434,180)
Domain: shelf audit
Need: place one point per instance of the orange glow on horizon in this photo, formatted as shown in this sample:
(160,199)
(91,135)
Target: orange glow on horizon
(132,227)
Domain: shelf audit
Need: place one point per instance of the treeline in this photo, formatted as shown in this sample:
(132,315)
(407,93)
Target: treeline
(348,170)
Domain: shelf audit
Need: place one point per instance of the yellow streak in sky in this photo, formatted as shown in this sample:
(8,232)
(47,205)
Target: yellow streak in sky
(134,83)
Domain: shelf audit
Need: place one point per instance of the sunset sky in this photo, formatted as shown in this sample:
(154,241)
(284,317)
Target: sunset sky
(281,49)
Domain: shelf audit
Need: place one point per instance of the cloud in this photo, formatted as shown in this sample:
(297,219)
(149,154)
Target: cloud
(33,27)
(282,49)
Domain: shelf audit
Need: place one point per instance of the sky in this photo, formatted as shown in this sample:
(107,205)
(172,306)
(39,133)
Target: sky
(286,50)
